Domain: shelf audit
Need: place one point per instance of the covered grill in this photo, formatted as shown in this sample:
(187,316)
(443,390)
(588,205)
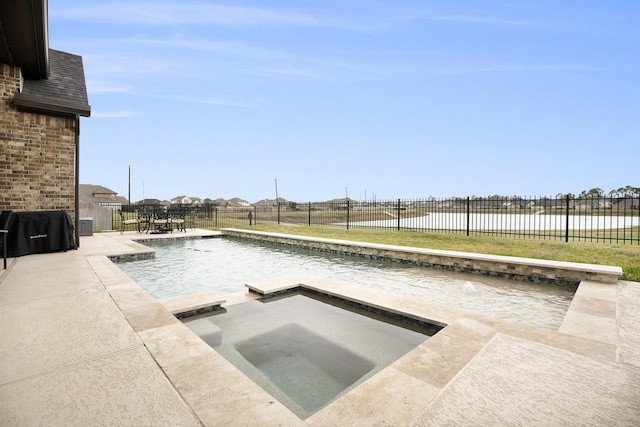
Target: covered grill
(39,231)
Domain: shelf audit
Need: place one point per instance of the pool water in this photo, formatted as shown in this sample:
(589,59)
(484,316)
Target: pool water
(303,350)
(224,265)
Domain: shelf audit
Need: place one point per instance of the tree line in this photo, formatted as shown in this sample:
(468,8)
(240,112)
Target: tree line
(627,191)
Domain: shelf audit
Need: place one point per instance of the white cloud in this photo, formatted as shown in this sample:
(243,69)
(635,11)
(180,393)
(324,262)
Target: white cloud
(154,13)
(204,45)
(292,72)
(105,87)
(132,64)
(113,114)
(211,101)
(505,68)
(481,20)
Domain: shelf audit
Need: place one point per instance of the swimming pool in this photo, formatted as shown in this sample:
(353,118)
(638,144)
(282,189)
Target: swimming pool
(303,349)
(224,265)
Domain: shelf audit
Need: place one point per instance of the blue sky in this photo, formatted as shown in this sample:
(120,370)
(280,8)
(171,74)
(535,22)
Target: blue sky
(370,99)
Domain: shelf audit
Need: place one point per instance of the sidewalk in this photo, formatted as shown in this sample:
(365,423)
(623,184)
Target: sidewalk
(82,345)
(69,356)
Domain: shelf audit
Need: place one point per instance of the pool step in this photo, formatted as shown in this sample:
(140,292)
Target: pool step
(193,304)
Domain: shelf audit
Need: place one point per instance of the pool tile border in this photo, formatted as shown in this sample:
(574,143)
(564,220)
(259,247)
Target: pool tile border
(139,256)
(513,268)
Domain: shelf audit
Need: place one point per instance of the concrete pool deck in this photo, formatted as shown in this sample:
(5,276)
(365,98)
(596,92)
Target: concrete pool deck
(84,345)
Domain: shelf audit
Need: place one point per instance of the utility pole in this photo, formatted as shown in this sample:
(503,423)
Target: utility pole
(129,196)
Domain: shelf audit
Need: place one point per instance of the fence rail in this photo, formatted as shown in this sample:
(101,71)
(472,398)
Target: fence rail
(593,219)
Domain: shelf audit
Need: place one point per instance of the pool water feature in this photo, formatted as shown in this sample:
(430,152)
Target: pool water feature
(305,350)
(224,265)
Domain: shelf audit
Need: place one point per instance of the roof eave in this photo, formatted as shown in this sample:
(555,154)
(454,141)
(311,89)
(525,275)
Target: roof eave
(28,102)
(24,35)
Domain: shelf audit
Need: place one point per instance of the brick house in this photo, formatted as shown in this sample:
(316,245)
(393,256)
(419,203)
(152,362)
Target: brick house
(42,97)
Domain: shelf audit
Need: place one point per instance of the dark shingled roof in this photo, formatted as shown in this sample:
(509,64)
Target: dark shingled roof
(64,92)
(96,193)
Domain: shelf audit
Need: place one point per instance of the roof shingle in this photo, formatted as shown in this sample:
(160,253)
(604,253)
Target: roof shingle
(64,91)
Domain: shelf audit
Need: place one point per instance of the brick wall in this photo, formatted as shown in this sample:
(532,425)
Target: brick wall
(37,155)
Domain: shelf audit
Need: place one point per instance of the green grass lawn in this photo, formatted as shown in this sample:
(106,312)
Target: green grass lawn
(625,256)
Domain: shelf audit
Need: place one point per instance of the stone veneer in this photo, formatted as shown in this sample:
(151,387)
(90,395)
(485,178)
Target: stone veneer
(523,269)
(37,154)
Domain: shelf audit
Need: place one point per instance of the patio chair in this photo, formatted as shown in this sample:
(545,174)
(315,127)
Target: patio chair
(161,223)
(143,222)
(179,222)
(125,222)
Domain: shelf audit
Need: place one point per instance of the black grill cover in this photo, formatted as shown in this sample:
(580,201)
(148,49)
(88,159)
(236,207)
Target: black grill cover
(39,231)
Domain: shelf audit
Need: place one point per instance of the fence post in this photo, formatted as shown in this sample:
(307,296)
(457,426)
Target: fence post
(638,220)
(566,231)
(398,214)
(468,214)
(348,214)
(309,214)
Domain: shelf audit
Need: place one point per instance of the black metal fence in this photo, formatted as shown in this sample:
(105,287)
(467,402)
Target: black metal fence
(594,219)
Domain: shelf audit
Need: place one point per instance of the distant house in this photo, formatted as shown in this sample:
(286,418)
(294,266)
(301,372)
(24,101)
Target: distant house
(148,202)
(186,200)
(555,204)
(267,203)
(236,202)
(455,204)
(181,200)
(626,203)
(101,196)
(594,203)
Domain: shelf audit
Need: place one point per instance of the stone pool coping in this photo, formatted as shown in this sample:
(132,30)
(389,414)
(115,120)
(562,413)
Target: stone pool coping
(184,306)
(100,344)
(426,372)
(425,386)
(517,268)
